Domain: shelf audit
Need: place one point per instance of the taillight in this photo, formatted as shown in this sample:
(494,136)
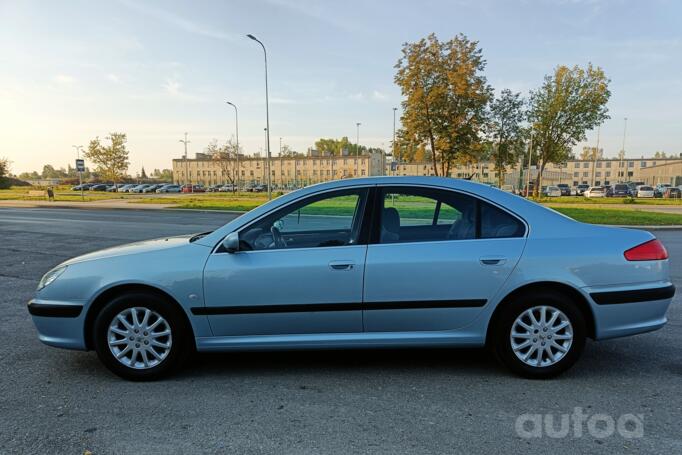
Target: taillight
(653,250)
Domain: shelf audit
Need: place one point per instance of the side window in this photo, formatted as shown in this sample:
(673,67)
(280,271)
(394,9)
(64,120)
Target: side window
(496,223)
(326,220)
(411,214)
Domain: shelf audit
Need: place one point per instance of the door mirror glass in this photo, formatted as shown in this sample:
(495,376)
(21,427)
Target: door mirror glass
(231,242)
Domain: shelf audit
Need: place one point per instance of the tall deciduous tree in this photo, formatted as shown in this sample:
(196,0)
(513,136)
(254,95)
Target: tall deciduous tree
(226,157)
(4,167)
(445,98)
(111,160)
(570,102)
(506,131)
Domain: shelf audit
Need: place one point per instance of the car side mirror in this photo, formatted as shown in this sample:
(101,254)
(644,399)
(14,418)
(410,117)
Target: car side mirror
(231,242)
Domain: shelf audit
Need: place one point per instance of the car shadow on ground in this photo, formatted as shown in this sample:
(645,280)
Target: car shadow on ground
(599,360)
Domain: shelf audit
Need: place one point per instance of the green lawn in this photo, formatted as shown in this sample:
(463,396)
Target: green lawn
(621,217)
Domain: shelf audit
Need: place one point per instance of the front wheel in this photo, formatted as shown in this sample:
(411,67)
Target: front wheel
(540,335)
(140,337)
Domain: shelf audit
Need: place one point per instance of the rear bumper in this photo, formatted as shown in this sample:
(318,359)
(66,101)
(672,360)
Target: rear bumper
(630,310)
(59,324)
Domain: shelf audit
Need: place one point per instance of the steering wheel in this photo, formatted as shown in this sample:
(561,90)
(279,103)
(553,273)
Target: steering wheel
(278,238)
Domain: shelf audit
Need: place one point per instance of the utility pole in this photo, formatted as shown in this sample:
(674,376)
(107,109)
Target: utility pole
(185,141)
(357,150)
(236,127)
(267,110)
(621,155)
(595,155)
(530,154)
(393,145)
(80,174)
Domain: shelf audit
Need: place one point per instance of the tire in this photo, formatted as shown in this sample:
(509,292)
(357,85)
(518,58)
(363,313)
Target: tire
(553,361)
(171,350)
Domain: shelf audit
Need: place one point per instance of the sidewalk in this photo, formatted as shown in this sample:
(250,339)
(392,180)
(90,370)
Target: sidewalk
(107,204)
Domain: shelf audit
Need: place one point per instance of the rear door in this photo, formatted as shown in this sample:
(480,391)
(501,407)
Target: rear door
(436,259)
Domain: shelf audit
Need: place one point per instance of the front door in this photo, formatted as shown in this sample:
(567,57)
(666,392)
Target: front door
(437,259)
(299,270)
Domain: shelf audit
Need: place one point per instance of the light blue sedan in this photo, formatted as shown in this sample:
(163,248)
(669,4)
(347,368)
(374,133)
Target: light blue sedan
(364,263)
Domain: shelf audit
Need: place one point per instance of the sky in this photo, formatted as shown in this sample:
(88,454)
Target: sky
(74,70)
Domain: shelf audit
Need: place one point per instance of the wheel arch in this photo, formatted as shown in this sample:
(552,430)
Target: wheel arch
(120,289)
(575,295)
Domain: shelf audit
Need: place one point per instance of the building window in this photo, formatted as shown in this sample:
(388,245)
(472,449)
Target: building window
(608,164)
(599,164)
(586,174)
(631,164)
(597,174)
(607,174)
(577,165)
(576,174)
(586,165)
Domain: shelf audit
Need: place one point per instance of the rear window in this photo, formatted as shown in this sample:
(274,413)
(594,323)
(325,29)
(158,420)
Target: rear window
(645,188)
(621,187)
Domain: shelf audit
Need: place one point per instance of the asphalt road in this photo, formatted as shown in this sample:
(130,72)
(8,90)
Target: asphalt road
(433,401)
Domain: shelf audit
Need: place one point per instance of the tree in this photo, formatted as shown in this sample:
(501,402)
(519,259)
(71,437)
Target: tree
(226,156)
(111,160)
(4,167)
(570,102)
(591,154)
(445,98)
(143,174)
(660,154)
(506,131)
(165,175)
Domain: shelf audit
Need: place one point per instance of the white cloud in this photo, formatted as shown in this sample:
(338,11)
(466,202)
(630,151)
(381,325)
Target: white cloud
(113,78)
(377,95)
(172,87)
(64,79)
(357,96)
(179,21)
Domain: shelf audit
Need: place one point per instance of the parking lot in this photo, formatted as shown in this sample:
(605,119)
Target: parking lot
(434,401)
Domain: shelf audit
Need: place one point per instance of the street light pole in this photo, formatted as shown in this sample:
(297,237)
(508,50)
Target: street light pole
(530,155)
(236,128)
(80,174)
(185,141)
(622,150)
(393,145)
(357,149)
(267,109)
(595,155)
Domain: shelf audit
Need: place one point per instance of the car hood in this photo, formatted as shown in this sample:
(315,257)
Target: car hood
(133,248)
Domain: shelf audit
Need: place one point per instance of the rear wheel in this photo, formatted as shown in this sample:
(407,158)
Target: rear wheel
(140,336)
(540,335)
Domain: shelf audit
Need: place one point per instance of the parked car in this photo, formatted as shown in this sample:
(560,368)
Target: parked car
(193,189)
(644,191)
(595,191)
(213,188)
(115,188)
(77,188)
(169,189)
(552,191)
(672,192)
(580,189)
(373,278)
(151,188)
(99,187)
(259,188)
(660,188)
(228,188)
(618,190)
(138,188)
(565,189)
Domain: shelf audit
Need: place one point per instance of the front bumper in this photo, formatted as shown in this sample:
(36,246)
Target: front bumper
(59,324)
(629,311)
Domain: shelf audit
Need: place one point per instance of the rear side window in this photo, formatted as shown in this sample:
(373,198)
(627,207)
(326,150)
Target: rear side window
(496,223)
(414,214)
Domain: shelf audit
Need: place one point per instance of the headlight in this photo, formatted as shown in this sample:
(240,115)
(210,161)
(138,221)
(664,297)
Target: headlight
(50,276)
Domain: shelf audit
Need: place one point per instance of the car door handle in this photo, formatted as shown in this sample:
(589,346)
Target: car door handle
(492,260)
(341,265)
